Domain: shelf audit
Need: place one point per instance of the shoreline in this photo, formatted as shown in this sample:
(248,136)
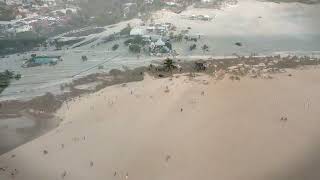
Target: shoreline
(43,109)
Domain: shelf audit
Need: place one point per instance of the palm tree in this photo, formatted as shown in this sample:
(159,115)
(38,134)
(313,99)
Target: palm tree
(205,48)
(179,37)
(84,58)
(169,64)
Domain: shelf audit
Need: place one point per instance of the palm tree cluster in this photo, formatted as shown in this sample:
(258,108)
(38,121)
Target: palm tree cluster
(169,64)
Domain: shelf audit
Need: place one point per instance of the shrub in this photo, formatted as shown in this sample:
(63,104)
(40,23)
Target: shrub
(192,47)
(115,72)
(238,43)
(5,78)
(138,40)
(115,47)
(169,64)
(17,76)
(84,58)
(205,47)
(169,45)
(129,41)
(135,48)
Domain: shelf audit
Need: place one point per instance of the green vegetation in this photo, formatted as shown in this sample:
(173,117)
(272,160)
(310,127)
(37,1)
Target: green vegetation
(6,77)
(84,58)
(205,48)
(135,44)
(193,47)
(24,42)
(238,44)
(234,78)
(180,37)
(135,48)
(136,40)
(169,64)
(200,66)
(115,47)
(69,12)
(104,20)
(17,76)
(128,42)
(168,45)
(59,44)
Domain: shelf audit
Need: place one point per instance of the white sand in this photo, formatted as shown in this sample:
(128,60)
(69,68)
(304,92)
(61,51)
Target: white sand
(232,132)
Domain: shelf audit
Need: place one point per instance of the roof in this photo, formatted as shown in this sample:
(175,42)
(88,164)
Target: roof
(44,59)
(137,32)
(160,43)
(150,28)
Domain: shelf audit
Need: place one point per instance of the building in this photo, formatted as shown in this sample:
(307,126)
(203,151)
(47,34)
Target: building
(41,60)
(137,32)
(24,28)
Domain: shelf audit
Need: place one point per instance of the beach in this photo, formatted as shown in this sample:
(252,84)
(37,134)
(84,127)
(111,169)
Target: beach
(182,127)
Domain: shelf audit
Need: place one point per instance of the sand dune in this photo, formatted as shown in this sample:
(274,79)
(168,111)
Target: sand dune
(182,128)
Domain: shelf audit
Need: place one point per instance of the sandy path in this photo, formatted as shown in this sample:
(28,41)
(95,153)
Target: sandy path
(226,130)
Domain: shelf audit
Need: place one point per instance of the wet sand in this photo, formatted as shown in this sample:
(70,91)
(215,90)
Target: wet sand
(182,128)
(17,131)
(23,121)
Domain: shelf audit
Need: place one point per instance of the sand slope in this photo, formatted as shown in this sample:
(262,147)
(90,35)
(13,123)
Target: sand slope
(227,130)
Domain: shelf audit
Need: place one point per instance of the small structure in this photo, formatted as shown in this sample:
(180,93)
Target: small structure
(137,32)
(42,60)
(150,29)
(160,43)
(200,17)
(24,28)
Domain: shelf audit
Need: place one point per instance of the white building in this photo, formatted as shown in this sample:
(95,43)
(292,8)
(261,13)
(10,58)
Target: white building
(137,32)
(160,42)
(24,28)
